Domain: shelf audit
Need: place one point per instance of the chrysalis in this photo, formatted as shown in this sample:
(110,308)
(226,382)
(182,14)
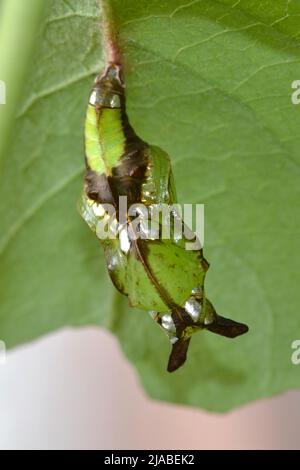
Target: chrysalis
(156,274)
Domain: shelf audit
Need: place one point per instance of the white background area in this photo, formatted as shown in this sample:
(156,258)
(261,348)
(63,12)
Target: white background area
(74,390)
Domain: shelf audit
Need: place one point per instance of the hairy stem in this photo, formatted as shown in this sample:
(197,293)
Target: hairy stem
(110,34)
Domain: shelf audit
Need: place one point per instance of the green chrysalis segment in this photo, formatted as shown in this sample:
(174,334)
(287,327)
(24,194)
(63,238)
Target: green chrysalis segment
(159,185)
(156,273)
(103,145)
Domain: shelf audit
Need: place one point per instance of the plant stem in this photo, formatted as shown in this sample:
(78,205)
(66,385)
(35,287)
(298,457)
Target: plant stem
(110,34)
(19,24)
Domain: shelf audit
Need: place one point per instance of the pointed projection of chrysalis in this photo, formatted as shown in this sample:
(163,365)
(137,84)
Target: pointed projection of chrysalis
(157,274)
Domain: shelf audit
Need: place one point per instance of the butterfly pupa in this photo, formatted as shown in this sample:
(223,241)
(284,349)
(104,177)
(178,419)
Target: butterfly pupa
(157,275)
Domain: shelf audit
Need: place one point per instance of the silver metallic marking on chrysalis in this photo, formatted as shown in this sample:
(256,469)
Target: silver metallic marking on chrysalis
(93,97)
(113,263)
(98,210)
(197,291)
(173,339)
(193,308)
(124,240)
(167,323)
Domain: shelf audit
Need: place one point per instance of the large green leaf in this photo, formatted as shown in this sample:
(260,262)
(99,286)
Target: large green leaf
(210,82)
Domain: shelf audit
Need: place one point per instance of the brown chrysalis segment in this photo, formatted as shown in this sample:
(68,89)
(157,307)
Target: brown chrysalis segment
(178,354)
(226,327)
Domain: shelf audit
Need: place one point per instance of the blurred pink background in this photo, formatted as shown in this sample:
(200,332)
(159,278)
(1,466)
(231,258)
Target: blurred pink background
(58,393)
